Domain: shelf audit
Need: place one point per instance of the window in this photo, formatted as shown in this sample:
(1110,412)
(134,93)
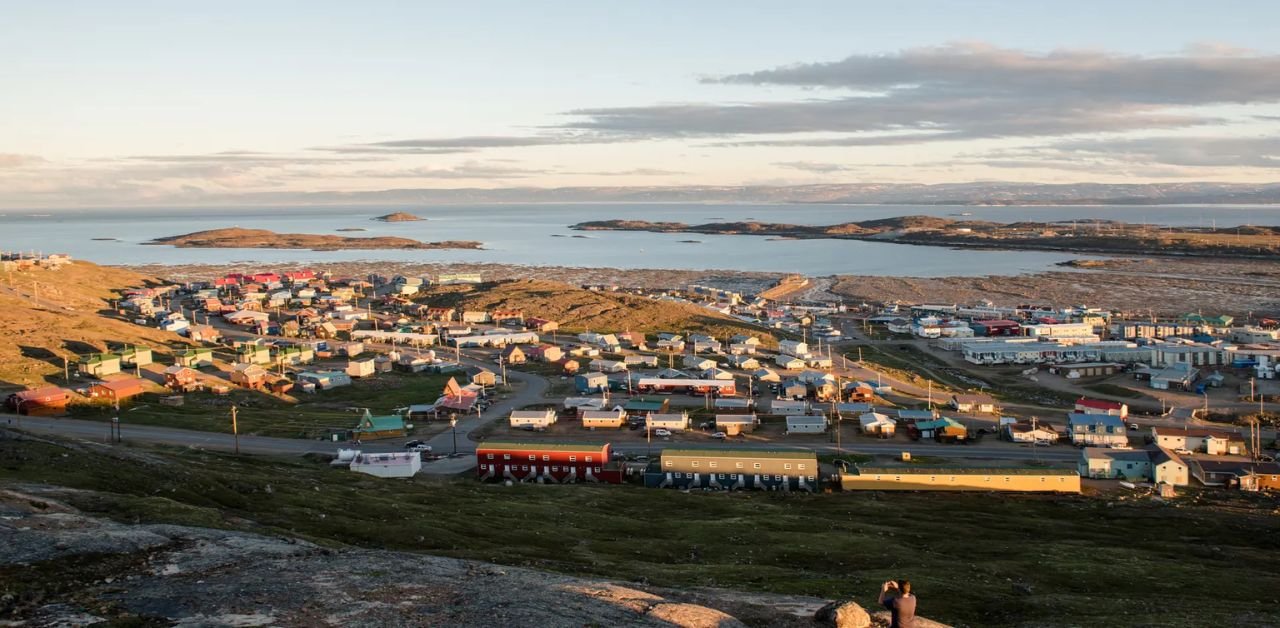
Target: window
(800,467)
(533,457)
(670,464)
(757,465)
(588,458)
(546,458)
(737,465)
(506,456)
(573,458)
(733,476)
(555,468)
(490,456)
(711,464)
(695,463)
(787,466)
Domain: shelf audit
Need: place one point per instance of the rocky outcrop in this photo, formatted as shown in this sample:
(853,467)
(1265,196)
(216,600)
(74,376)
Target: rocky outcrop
(849,614)
(63,567)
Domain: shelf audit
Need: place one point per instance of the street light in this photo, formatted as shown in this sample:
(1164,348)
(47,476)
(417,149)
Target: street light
(453,426)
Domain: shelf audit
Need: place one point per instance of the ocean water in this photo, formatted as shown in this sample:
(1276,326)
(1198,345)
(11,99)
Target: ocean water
(539,234)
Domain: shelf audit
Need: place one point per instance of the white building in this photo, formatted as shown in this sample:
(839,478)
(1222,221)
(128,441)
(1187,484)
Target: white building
(400,464)
(535,418)
(806,424)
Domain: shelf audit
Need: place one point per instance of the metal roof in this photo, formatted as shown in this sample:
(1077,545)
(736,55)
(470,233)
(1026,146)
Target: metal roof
(741,453)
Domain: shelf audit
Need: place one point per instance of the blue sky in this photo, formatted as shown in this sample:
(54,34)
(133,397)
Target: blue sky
(155,101)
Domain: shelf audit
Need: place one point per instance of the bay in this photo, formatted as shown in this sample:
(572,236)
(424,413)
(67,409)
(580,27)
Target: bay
(539,235)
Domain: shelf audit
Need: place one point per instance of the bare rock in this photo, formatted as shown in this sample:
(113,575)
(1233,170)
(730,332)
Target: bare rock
(843,614)
(881,619)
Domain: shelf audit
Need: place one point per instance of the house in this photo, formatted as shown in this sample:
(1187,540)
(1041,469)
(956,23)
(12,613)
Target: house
(1169,468)
(43,401)
(919,478)
(641,361)
(1206,440)
(942,429)
(673,422)
(351,349)
(1098,406)
(633,340)
(766,375)
(474,316)
(590,383)
(482,377)
(250,376)
(513,354)
(877,424)
(973,404)
(546,353)
(692,386)
(180,378)
(717,373)
(917,415)
(253,354)
(788,406)
(1031,432)
(533,418)
(727,469)
(541,325)
(135,356)
(615,418)
(697,363)
(788,362)
(793,348)
(374,427)
(118,390)
(194,358)
(1098,430)
(324,380)
(98,364)
(570,367)
(806,424)
(640,406)
(859,391)
(296,355)
(1103,463)
(735,424)
(556,463)
(742,361)
(1176,376)
(361,368)
(400,464)
(606,366)
(203,333)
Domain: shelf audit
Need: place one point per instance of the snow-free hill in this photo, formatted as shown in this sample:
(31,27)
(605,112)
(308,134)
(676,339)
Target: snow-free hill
(46,315)
(578,309)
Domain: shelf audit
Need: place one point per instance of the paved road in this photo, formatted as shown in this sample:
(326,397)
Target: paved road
(99,431)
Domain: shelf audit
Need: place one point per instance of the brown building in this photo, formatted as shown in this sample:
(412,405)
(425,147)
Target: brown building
(117,391)
(46,401)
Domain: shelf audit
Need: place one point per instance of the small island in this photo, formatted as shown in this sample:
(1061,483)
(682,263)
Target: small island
(400,217)
(237,238)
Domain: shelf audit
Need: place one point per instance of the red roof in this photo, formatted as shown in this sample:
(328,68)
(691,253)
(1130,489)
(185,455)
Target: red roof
(46,393)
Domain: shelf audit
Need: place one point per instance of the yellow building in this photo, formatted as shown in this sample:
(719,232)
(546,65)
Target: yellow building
(1013,479)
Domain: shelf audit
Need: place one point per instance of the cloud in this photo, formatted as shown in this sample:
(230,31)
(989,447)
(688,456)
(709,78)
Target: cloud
(963,91)
(243,158)
(15,160)
(815,167)
(634,172)
(469,143)
(466,170)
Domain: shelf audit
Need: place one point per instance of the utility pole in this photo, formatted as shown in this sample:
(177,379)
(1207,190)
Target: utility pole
(235,429)
(66,369)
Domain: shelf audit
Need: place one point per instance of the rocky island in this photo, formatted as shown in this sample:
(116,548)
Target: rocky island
(400,217)
(1102,236)
(238,238)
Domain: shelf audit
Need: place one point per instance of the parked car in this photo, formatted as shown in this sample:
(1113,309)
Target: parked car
(1182,452)
(413,443)
(1133,427)
(720,435)
(663,432)
(421,448)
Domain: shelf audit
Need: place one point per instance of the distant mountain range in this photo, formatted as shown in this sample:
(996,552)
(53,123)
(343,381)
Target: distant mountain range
(867,193)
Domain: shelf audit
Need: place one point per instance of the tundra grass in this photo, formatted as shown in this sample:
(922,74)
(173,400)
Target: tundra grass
(975,559)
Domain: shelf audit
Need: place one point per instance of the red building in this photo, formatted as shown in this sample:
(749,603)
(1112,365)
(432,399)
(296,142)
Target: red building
(45,401)
(996,328)
(559,463)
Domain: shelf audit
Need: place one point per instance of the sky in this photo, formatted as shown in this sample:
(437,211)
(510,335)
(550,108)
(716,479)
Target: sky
(143,103)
